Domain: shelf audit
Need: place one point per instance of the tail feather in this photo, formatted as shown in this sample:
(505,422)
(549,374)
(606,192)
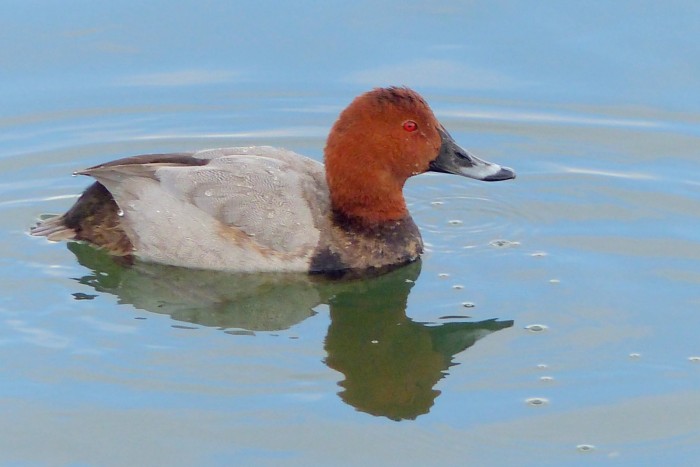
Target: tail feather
(53,229)
(94,218)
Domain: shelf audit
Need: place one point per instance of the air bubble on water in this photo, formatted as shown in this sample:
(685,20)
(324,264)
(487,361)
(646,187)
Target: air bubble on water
(694,359)
(538,254)
(437,203)
(443,275)
(468,304)
(120,212)
(554,281)
(458,287)
(635,355)
(546,379)
(374,341)
(542,366)
(208,192)
(455,222)
(536,327)
(585,448)
(537,401)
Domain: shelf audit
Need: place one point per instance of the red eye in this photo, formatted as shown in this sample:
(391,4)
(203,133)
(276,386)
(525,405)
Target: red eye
(410,125)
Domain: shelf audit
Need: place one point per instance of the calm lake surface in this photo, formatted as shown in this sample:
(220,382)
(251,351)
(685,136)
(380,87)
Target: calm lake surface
(552,321)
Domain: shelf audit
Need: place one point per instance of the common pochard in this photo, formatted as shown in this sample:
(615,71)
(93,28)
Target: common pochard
(255,209)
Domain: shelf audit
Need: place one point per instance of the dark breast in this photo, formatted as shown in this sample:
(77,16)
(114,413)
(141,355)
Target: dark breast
(349,249)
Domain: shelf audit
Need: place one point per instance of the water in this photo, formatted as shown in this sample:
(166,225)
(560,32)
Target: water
(552,321)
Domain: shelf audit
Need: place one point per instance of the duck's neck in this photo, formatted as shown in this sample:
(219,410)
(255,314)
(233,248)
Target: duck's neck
(367,198)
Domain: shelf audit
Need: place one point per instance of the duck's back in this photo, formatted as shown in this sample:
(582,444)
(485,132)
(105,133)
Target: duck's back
(243,209)
(274,196)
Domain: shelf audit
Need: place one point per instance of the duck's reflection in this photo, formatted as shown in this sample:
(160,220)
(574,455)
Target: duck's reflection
(255,302)
(390,362)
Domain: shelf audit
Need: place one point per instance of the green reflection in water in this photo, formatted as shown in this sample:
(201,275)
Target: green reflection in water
(390,362)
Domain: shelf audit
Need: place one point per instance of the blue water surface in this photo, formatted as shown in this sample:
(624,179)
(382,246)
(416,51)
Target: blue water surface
(552,321)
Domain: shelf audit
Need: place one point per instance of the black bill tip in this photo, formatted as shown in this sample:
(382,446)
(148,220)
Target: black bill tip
(504,173)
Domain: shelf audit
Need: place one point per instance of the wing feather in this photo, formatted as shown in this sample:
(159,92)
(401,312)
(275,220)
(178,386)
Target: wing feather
(275,196)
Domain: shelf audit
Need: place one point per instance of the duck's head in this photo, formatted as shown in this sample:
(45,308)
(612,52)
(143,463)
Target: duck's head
(380,140)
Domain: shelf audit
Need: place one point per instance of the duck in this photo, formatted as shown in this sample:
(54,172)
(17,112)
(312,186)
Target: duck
(266,209)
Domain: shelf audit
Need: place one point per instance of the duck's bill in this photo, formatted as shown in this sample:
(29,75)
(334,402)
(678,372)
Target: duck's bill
(455,160)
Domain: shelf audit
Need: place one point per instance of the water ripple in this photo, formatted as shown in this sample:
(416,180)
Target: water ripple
(501,115)
(468,221)
(37,336)
(607,173)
